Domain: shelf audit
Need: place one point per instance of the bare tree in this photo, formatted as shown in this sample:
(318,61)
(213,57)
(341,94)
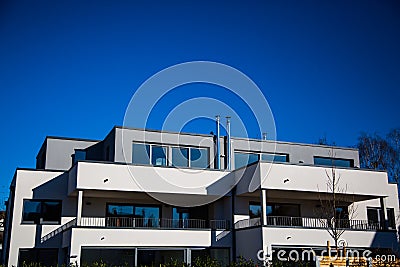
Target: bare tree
(337,208)
(393,139)
(381,153)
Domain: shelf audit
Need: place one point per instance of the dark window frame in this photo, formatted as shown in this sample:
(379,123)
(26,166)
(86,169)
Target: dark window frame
(275,154)
(134,205)
(245,153)
(391,222)
(274,204)
(351,161)
(40,220)
(255,203)
(189,156)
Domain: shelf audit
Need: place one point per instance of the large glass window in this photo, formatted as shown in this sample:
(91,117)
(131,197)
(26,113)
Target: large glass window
(79,155)
(108,256)
(37,257)
(375,217)
(180,217)
(151,257)
(283,214)
(41,211)
(120,210)
(255,210)
(199,158)
(180,157)
(159,155)
(131,215)
(244,159)
(333,162)
(141,153)
(274,157)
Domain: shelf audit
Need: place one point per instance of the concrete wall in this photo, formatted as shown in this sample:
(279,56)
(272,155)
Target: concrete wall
(251,240)
(59,152)
(121,177)
(318,237)
(313,179)
(37,184)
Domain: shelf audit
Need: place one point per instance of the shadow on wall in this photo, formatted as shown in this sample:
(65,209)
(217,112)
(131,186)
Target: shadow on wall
(55,189)
(386,239)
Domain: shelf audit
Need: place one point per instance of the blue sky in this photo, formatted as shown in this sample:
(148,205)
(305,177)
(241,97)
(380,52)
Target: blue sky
(69,68)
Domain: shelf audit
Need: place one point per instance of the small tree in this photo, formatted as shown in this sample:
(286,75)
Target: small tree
(381,153)
(336,206)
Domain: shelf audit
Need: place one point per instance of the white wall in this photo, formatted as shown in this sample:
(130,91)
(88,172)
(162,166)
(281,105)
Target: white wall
(121,177)
(318,237)
(313,179)
(249,242)
(38,184)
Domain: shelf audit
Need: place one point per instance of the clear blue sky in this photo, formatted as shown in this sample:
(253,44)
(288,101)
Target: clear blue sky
(69,68)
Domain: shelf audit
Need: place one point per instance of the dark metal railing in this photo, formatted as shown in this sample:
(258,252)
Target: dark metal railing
(131,222)
(59,230)
(302,222)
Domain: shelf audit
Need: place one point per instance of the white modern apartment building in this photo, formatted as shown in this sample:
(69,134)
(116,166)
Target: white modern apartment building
(88,200)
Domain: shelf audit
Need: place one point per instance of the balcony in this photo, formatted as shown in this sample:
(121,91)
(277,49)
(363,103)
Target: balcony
(308,180)
(153,223)
(312,223)
(106,176)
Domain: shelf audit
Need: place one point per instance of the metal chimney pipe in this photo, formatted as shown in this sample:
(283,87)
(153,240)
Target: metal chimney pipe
(264,136)
(218,153)
(228,141)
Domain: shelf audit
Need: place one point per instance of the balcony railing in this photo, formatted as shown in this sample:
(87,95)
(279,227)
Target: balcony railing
(165,223)
(302,222)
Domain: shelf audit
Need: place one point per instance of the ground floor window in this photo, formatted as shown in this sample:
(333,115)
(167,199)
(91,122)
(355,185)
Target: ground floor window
(110,256)
(154,257)
(149,256)
(44,256)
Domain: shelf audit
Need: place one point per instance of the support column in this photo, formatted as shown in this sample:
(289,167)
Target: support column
(188,256)
(136,255)
(383,214)
(79,208)
(263,206)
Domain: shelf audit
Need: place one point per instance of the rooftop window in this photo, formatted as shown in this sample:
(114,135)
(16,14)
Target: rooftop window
(326,161)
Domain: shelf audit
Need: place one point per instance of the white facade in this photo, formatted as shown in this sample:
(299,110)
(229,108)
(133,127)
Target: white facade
(74,210)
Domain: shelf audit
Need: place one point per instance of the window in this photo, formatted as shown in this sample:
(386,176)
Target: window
(199,158)
(190,157)
(42,211)
(141,153)
(254,210)
(120,210)
(131,215)
(38,257)
(283,214)
(79,155)
(244,159)
(375,217)
(180,157)
(158,257)
(391,218)
(112,256)
(275,157)
(159,155)
(333,162)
